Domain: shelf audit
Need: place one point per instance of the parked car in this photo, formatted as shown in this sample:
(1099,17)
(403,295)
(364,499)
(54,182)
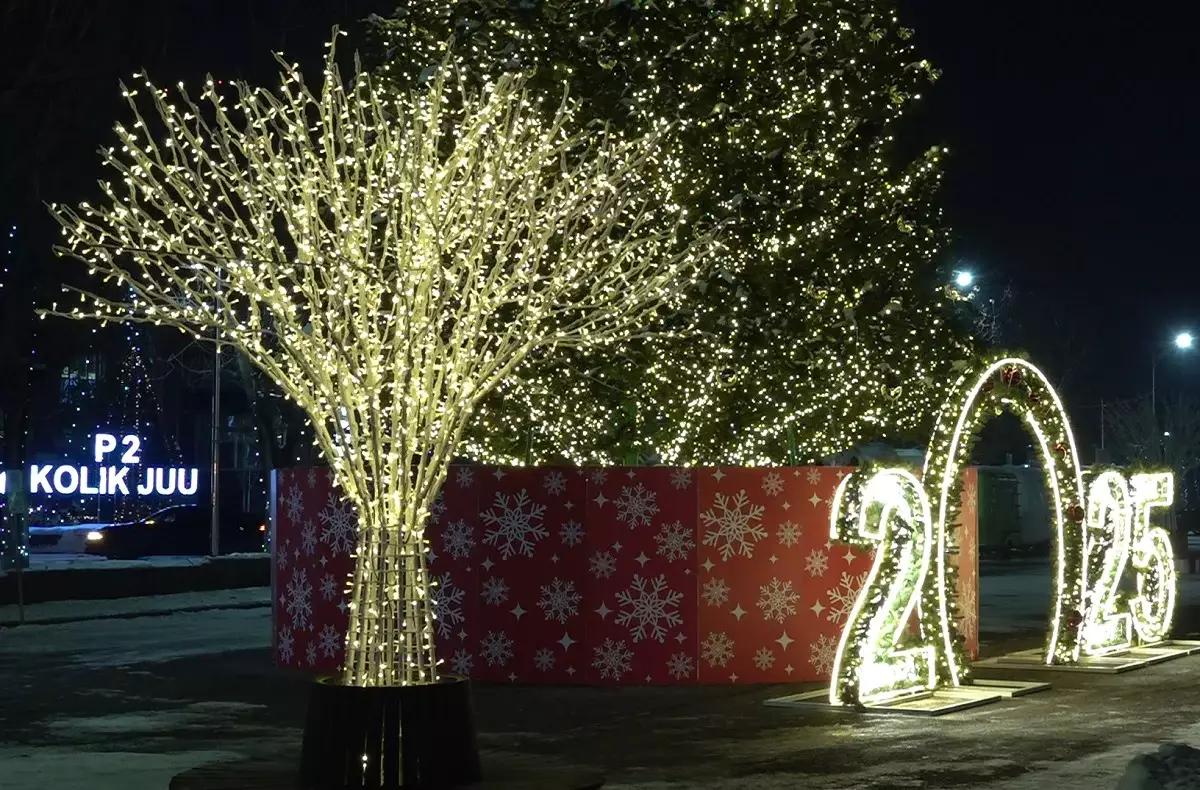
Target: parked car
(177,530)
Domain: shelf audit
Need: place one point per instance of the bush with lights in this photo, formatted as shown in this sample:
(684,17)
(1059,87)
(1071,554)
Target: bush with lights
(826,322)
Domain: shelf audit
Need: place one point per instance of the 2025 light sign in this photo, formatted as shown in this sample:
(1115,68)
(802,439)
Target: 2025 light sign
(901,636)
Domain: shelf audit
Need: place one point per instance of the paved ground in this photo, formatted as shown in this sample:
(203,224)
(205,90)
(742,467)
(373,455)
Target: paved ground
(123,704)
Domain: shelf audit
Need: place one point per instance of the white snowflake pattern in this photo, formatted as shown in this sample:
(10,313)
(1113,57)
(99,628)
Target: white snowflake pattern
(636,505)
(331,641)
(613,659)
(674,541)
(772,484)
(297,601)
(732,525)
(496,648)
(717,649)
(968,611)
(457,539)
(495,591)
(602,564)
(816,563)
(649,607)
(821,654)
(777,600)
(284,554)
(447,605)
(464,476)
(329,587)
(339,527)
(716,592)
(681,478)
(970,498)
(312,477)
(841,597)
(680,666)
(516,523)
(285,645)
(764,659)
(571,533)
(544,659)
(310,654)
(788,534)
(559,600)
(598,477)
(813,476)
(308,537)
(462,662)
(293,503)
(438,508)
(555,483)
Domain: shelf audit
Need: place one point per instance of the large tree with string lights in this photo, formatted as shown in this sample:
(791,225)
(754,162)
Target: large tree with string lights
(829,321)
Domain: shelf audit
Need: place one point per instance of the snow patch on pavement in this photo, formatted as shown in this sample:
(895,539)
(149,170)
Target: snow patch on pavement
(72,769)
(145,605)
(200,714)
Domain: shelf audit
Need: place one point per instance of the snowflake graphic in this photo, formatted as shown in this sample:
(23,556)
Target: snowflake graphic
(777,600)
(495,591)
(764,659)
(674,541)
(841,598)
(602,564)
(788,534)
(649,607)
(339,525)
(329,587)
(716,592)
(571,533)
(465,476)
(293,503)
(283,555)
(681,478)
(821,654)
(555,483)
(772,483)
(312,477)
(496,648)
(516,524)
(544,659)
(438,508)
(613,659)
(970,498)
(816,563)
(297,601)
(285,646)
(636,505)
(310,654)
(308,537)
(968,612)
(457,540)
(680,666)
(733,530)
(462,662)
(598,477)
(559,600)
(331,641)
(447,605)
(717,649)
(814,476)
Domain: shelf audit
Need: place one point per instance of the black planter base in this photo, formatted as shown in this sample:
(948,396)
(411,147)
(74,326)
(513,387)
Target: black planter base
(500,772)
(389,737)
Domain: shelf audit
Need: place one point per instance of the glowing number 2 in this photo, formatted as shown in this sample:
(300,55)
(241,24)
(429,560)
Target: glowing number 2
(1153,559)
(1108,536)
(892,512)
(132,455)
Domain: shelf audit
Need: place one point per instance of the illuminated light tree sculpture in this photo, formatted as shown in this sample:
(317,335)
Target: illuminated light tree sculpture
(387,258)
(829,321)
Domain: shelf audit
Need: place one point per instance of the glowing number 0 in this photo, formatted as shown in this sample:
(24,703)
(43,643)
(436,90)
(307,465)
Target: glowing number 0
(891,511)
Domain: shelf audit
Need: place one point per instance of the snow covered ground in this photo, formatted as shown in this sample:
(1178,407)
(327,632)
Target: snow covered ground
(63,611)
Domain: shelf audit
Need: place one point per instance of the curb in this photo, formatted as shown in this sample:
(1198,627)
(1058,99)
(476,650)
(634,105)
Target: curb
(134,615)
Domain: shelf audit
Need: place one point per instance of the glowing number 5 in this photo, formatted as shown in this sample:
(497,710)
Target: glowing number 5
(890,510)
(1154,605)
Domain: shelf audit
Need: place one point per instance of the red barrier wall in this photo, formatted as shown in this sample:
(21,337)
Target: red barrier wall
(604,576)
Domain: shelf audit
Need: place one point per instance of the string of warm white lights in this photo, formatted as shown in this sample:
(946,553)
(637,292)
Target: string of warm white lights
(387,259)
(1107,627)
(1153,608)
(826,322)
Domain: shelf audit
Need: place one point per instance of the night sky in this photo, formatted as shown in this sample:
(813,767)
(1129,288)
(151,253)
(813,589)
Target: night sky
(1071,131)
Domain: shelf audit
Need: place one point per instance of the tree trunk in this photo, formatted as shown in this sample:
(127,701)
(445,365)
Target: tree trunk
(390,637)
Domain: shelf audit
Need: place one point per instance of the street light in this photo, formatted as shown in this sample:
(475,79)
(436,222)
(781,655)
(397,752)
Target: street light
(963,279)
(1184,340)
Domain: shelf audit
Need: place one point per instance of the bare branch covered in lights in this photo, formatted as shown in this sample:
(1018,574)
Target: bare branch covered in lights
(387,259)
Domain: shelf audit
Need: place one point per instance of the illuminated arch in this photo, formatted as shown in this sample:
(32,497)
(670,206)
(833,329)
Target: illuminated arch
(1012,384)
